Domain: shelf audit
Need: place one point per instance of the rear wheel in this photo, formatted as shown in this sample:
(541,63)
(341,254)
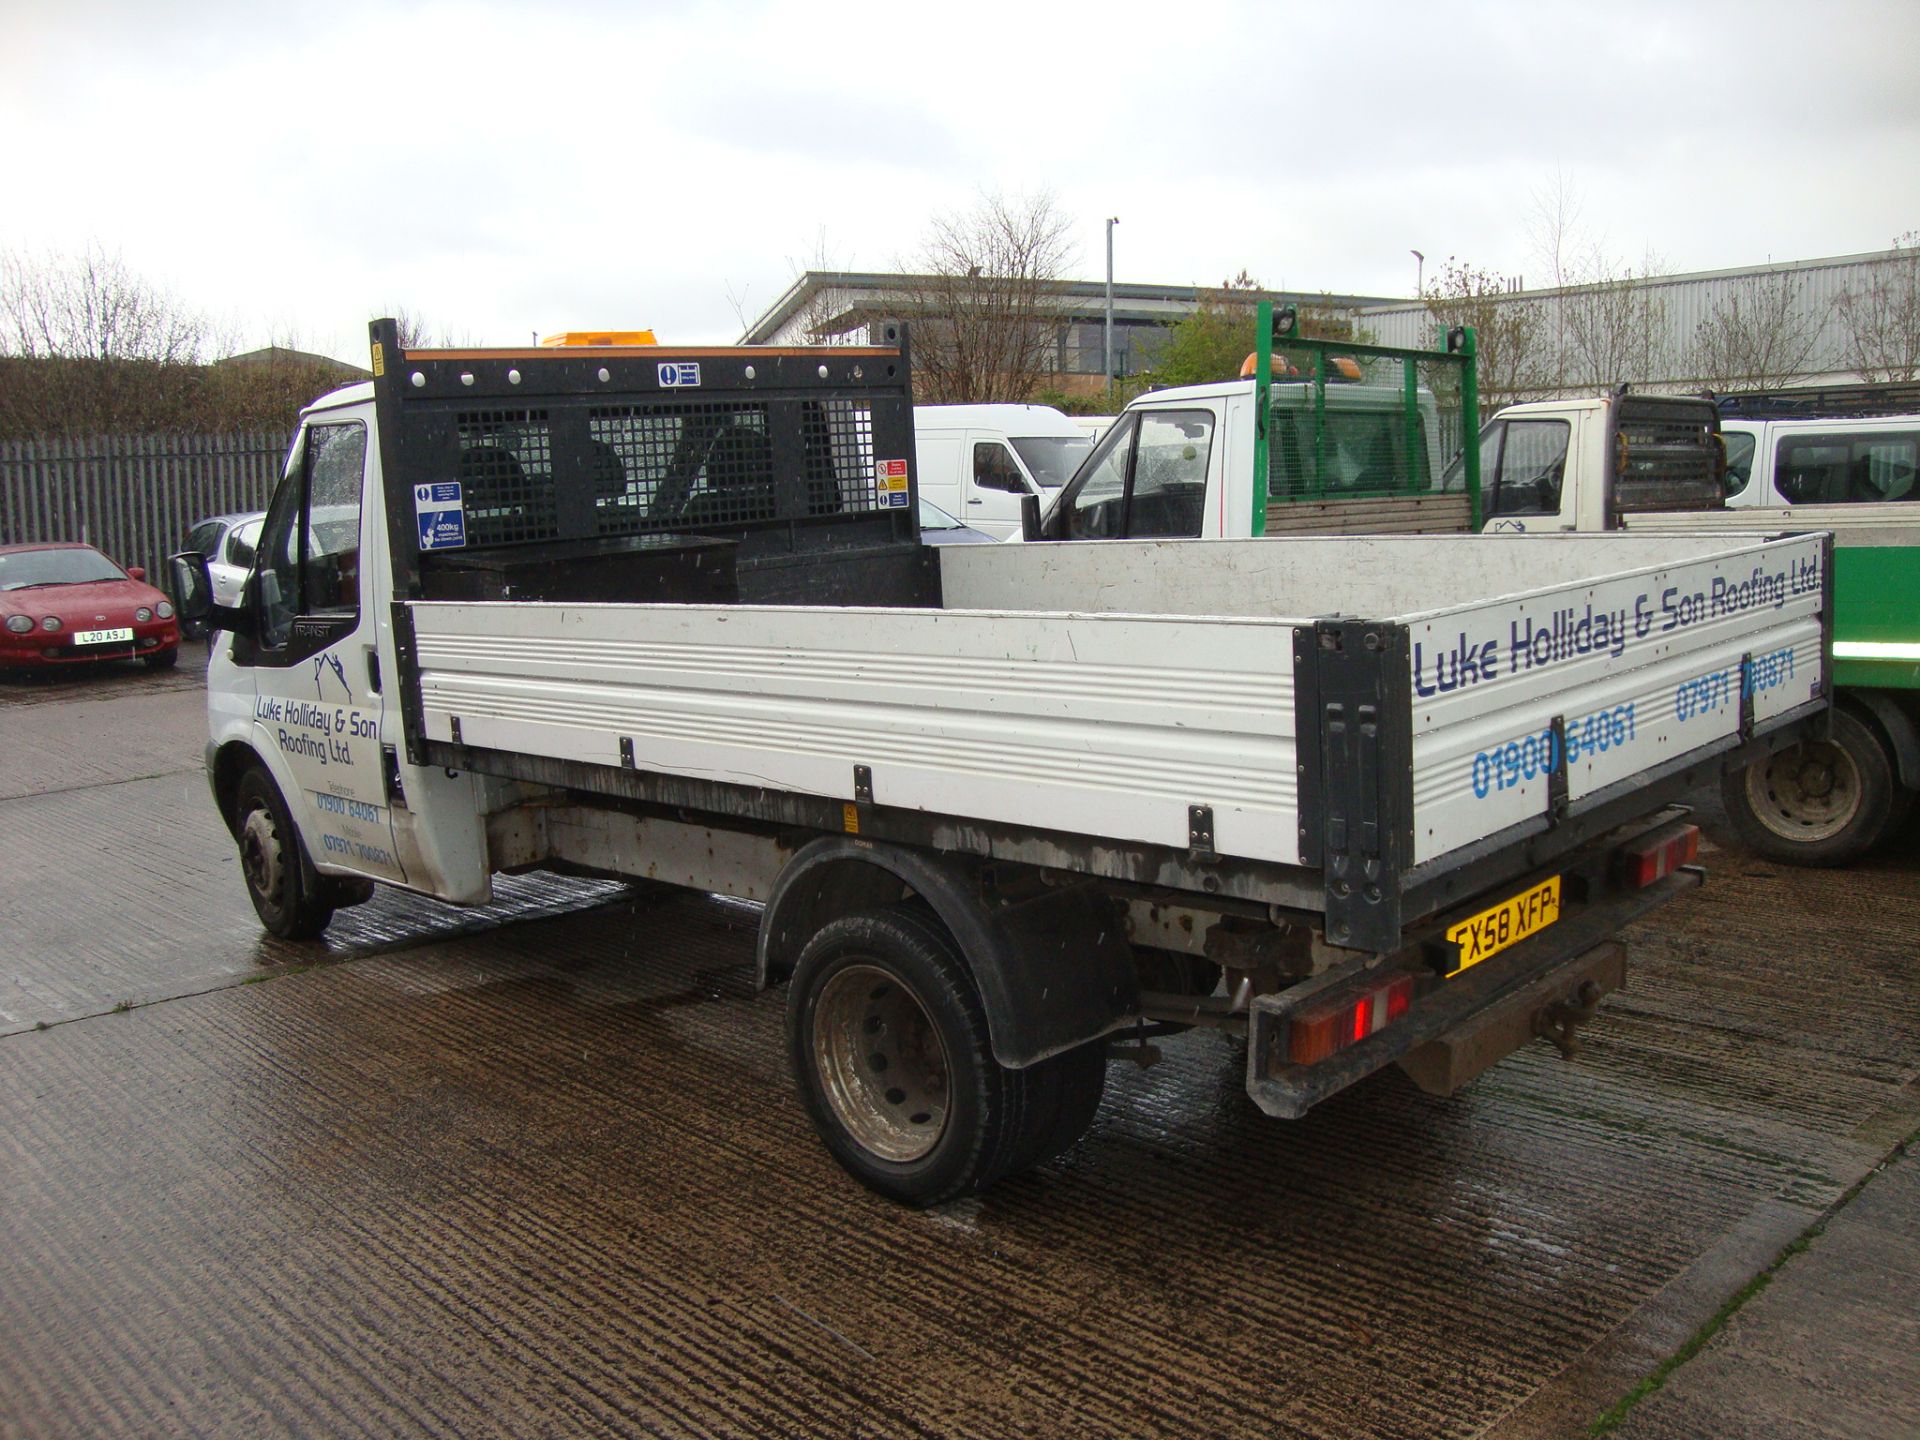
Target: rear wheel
(889,1045)
(1821,802)
(292,900)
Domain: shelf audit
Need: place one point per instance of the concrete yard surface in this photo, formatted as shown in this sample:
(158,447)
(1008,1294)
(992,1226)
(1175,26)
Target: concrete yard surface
(1828,1350)
(540,1171)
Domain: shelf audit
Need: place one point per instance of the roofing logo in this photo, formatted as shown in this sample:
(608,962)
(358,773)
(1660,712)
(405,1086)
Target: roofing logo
(323,663)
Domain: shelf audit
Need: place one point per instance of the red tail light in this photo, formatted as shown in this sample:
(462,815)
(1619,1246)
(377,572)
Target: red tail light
(1331,1025)
(1656,856)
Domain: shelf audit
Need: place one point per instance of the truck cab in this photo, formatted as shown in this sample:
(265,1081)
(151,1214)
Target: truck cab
(1332,439)
(1583,464)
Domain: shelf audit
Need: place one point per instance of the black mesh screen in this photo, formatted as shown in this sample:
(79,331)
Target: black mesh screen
(506,476)
(1668,457)
(838,438)
(680,466)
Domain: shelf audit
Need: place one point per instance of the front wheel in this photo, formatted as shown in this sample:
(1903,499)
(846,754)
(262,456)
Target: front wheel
(889,1045)
(163,659)
(289,895)
(1821,802)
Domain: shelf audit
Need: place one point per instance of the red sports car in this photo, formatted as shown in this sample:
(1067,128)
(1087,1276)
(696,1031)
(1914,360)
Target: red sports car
(67,604)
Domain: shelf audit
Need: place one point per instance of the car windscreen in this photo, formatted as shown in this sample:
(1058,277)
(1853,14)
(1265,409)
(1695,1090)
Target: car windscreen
(24,568)
(1053,458)
(932,517)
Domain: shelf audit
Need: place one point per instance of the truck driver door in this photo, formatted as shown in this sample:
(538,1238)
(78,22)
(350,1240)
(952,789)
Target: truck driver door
(318,703)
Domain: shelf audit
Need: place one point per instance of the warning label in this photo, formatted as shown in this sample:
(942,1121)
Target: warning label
(890,480)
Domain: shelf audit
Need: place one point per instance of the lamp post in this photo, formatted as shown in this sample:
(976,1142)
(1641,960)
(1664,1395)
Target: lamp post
(1419,273)
(1112,220)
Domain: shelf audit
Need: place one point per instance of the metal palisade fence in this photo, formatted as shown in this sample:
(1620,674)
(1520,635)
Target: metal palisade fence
(132,496)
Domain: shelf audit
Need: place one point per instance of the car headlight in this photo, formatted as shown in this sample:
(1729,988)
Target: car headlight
(165,610)
(52,622)
(20,624)
(143,615)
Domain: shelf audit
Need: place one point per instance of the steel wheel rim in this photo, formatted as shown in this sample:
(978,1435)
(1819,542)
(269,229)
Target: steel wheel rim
(260,854)
(881,1063)
(1809,791)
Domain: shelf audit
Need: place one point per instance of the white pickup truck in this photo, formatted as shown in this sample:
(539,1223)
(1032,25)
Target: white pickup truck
(663,614)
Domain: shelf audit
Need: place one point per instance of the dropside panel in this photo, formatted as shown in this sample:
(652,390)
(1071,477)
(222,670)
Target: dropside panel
(1592,684)
(1110,726)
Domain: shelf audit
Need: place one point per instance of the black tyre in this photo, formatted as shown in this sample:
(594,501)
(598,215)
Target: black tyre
(291,898)
(889,1046)
(162,659)
(343,892)
(1068,1089)
(1821,802)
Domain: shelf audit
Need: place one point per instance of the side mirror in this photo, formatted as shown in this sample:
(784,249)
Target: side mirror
(1030,517)
(136,572)
(192,586)
(193,596)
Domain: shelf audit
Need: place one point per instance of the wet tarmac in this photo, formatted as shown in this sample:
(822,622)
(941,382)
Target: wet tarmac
(547,1176)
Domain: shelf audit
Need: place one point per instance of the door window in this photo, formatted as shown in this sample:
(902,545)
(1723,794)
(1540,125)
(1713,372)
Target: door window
(1096,502)
(994,468)
(310,542)
(1531,468)
(241,542)
(1147,479)
(1739,447)
(1170,474)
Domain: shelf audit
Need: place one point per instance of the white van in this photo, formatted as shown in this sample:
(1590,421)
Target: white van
(1836,460)
(976,461)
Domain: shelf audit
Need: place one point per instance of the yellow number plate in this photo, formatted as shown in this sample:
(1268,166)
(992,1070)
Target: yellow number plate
(1507,923)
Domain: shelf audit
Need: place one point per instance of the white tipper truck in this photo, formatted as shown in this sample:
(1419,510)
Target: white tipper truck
(663,614)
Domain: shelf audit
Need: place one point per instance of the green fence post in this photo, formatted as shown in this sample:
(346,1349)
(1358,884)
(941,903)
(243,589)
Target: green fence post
(1262,411)
(1470,421)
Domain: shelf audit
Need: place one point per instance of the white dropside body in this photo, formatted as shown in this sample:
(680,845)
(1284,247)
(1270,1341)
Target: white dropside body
(1103,689)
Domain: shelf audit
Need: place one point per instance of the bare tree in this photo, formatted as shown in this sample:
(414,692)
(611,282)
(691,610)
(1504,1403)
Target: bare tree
(985,300)
(1881,318)
(1515,359)
(822,318)
(417,333)
(1613,324)
(1760,336)
(1609,321)
(90,306)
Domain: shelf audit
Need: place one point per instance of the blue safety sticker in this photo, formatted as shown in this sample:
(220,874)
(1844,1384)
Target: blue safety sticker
(441,515)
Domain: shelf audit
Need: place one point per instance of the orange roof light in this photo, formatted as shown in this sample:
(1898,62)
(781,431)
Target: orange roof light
(1340,367)
(1279,365)
(567,338)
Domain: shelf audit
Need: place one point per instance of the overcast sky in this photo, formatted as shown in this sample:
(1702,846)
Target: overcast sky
(500,170)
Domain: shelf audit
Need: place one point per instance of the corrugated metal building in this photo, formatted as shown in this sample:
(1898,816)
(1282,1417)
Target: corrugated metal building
(1675,307)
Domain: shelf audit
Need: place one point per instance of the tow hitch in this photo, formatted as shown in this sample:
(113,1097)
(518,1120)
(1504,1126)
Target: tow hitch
(1558,1021)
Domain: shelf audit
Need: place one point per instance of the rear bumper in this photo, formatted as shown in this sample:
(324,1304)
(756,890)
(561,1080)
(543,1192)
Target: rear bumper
(1456,1028)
